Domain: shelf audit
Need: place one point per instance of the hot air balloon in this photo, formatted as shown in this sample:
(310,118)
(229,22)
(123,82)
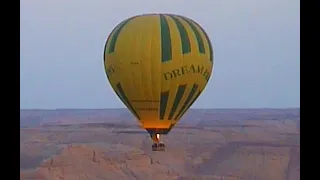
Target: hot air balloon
(158,65)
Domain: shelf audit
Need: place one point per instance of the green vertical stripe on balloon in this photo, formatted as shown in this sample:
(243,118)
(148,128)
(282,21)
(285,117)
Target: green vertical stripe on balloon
(163,104)
(116,33)
(185,42)
(125,100)
(188,100)
(193,100)
(177,99)
(197,34)
(166,49)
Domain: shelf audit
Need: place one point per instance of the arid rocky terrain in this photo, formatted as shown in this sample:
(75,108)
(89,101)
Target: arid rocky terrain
(230,144)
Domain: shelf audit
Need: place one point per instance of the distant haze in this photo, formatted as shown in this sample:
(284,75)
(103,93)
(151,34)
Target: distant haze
(199,117)
(256,49)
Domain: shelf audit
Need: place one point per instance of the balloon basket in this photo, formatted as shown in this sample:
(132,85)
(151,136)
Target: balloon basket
(158,147)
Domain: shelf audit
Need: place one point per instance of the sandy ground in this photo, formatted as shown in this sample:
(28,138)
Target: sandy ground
(255,149)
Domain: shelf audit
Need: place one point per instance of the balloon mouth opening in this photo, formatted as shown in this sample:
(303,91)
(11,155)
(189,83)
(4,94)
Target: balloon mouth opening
(154,131)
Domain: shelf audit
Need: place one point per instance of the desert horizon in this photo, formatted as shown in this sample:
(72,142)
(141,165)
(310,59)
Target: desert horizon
(257,108)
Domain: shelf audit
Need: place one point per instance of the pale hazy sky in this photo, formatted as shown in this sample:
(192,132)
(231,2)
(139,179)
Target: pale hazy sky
(256,46)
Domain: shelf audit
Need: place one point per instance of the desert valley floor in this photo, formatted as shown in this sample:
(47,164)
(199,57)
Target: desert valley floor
(246,144)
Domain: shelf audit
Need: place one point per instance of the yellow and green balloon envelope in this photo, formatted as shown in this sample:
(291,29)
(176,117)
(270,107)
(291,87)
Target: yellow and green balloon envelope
(158,65)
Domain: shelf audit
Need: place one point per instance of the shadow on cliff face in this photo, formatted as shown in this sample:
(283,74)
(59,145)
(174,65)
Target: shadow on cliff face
(29,162)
